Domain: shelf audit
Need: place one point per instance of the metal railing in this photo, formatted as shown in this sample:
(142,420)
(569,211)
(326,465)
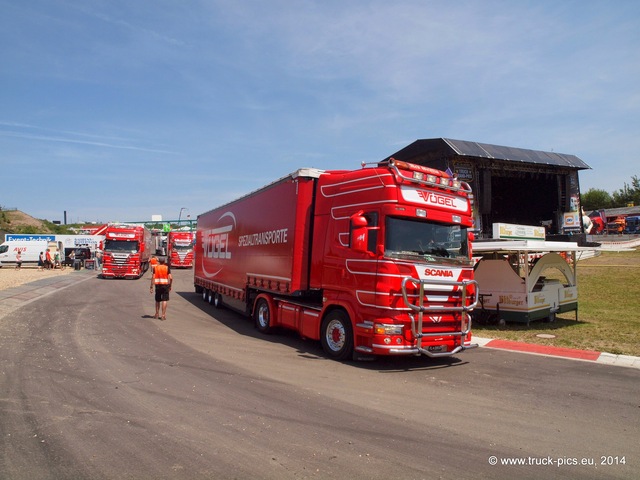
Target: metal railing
(421,309)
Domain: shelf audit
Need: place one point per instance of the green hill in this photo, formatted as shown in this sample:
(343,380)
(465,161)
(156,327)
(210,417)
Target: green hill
(15,221)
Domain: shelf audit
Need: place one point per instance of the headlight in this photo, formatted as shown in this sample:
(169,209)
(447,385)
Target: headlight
(385,329)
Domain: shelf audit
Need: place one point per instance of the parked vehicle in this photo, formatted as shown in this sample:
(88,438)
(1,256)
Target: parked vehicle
(375,261)
(616,226)
(180,248)
(92,242)
(127,251)
(632,225)
(80,254)
(599,226)
(29,249)
(159,242)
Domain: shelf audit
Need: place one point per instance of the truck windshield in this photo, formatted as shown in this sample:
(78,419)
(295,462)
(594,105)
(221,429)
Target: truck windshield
(428,240)
(182,248)
(120,246)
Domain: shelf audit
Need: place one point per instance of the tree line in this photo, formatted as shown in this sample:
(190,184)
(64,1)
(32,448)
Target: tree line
(596,199)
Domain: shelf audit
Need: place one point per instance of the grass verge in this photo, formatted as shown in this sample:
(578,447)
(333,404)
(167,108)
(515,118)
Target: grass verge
(608,306)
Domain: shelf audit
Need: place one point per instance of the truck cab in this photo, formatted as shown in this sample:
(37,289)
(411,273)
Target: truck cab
(396,258)
(632,225)
(617,226)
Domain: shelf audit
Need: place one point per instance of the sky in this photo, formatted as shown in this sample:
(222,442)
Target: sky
(118,110)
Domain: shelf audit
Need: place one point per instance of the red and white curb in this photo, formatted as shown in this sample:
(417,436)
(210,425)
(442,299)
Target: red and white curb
(562,352)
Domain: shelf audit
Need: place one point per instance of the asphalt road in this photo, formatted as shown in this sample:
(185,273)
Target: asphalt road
(92,387)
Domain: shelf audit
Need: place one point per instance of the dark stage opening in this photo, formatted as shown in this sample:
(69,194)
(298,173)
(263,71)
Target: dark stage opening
(524,199)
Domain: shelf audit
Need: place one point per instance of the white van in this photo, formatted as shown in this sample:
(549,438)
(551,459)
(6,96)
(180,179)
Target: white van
(29,249)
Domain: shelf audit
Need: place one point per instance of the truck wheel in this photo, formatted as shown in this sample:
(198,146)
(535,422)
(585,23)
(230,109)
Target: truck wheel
(217,300)
(336,335)
(210,295)
(262,316)
(205,294)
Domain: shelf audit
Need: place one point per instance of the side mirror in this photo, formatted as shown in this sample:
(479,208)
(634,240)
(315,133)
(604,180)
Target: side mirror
(359,232)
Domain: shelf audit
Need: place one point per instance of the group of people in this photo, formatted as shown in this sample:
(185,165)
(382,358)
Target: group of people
(46,260)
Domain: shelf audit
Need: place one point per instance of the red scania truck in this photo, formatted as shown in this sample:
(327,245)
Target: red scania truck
(375,261)
(180,248)
(127,251)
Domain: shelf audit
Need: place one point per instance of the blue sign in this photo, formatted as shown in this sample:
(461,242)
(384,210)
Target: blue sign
(11,237)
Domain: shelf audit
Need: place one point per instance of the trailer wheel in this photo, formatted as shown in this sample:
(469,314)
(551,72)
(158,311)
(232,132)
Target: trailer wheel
(336,335)
(217,300)
(205,293)
(210,296)
(262,316)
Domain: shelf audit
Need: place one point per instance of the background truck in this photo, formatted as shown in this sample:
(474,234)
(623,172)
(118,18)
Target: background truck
(127,251)
(632,225)
(616,226)
(374,261)
(180,248)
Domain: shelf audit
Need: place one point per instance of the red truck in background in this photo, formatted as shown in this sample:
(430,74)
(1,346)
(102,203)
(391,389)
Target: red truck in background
(180,248)
(127,251)
(375,261)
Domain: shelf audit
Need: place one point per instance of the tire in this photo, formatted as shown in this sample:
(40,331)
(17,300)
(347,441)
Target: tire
(217,300)
(262,316)
(336,335)
(210,296)
(205,294)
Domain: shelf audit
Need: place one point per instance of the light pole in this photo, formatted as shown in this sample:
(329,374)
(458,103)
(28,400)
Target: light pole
(180,215)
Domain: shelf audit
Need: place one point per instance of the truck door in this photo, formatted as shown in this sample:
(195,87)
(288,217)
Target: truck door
(361,263)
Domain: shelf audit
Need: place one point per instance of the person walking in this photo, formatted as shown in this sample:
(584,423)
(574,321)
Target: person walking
(72,259)
(153,262)
(98,258)
(18,260)
(162,279)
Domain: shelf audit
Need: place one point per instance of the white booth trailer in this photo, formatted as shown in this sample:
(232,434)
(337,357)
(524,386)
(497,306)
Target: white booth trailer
(526,280)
